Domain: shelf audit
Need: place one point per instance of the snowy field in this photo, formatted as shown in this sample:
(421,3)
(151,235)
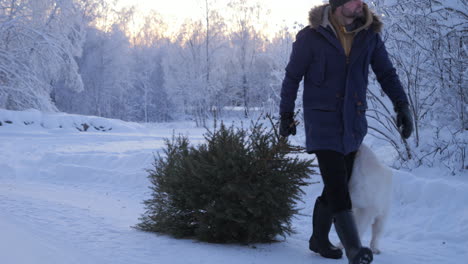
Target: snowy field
(72,197)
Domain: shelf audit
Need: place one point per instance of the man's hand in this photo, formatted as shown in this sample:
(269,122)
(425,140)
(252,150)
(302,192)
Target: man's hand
(287,124)
(404,119)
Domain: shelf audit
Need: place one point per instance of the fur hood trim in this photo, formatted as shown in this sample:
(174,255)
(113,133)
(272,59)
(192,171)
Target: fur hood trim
(319,16)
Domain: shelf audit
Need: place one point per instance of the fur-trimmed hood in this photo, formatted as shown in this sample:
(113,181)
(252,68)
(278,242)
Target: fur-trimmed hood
(319,16)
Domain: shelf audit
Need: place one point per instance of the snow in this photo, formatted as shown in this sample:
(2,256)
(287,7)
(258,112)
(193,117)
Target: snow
(68,196)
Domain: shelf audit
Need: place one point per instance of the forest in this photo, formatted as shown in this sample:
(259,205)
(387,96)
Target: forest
(85,57)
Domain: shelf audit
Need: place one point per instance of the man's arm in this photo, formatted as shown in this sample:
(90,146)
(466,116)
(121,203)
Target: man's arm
(295,70)
(391,85)
(386,74)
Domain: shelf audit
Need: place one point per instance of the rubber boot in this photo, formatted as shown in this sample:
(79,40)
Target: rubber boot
(321,225)
(347,231)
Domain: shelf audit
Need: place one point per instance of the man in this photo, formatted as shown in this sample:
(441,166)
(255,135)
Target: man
(333,55)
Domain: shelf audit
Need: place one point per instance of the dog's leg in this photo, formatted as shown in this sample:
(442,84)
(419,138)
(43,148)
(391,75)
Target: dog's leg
(377,231)
(363,220)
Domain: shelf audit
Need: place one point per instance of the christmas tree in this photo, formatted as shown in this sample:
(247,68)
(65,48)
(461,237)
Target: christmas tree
(241,185)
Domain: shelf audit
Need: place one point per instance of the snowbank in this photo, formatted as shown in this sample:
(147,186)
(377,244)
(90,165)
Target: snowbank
(34,119)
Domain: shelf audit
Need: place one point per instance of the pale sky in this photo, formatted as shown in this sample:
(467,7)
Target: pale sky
(175,11)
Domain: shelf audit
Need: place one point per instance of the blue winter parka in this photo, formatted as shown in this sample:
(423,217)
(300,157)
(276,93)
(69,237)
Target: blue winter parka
(335,86)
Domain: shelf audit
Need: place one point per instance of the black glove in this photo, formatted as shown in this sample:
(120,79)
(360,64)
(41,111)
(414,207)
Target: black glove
(287,124)
(404,119)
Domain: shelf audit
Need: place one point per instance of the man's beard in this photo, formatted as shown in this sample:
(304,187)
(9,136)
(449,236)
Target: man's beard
(359,12)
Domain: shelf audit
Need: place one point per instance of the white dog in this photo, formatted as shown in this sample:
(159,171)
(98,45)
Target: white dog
(370,189)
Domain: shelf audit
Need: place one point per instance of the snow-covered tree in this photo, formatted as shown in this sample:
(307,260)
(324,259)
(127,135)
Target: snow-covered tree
(148,98)
(247,42)
(39,41)
(106,72)
(427,40)
(194,67)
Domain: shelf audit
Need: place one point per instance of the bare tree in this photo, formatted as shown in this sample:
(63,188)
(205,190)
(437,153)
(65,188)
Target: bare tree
(426,39)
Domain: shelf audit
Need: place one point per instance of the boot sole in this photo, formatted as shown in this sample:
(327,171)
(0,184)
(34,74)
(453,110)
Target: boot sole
(337,255)
(364,256)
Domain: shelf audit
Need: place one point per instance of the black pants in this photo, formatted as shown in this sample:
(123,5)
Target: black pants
(336,171)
